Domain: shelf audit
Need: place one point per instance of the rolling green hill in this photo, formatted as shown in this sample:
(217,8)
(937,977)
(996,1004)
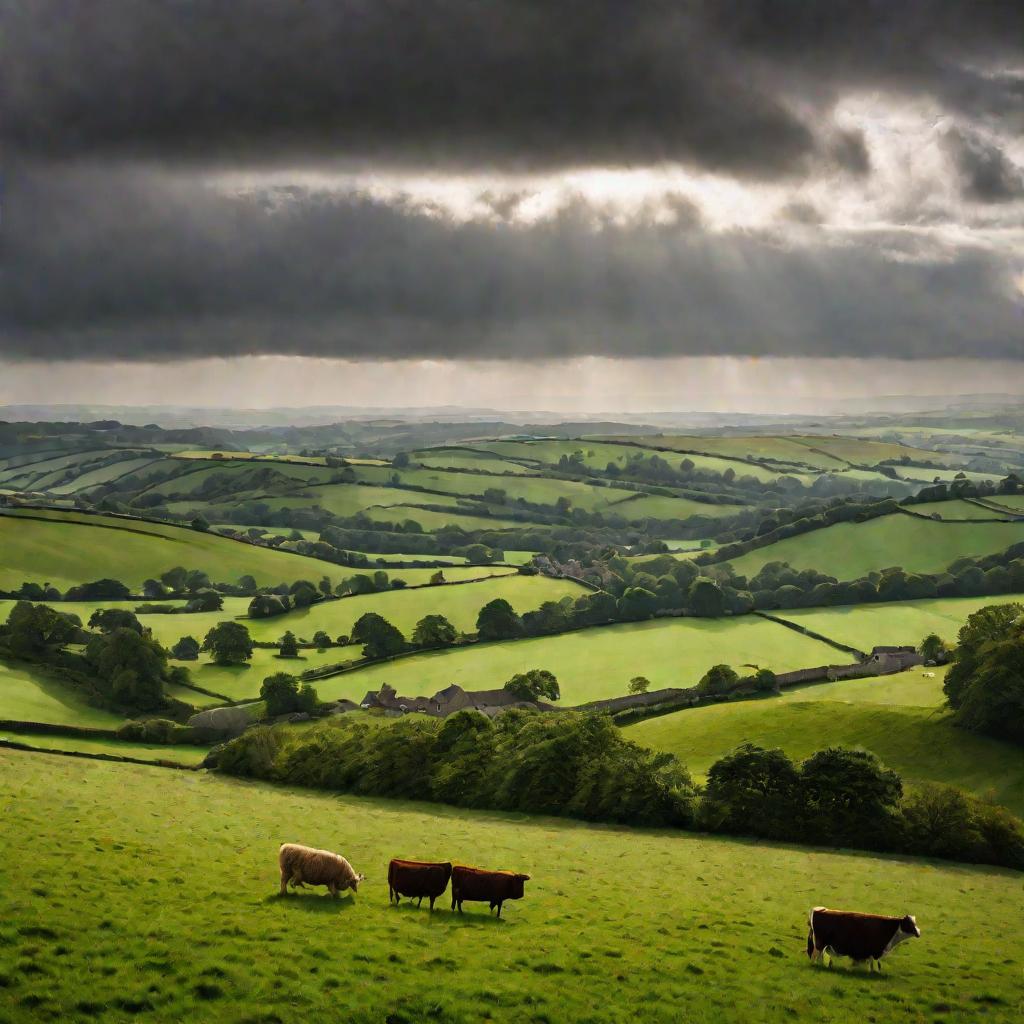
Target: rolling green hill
(850,550)
(615,921)
(593,664)
(71,548)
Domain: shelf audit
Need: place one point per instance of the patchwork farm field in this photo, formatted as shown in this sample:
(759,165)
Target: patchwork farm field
(597,455)
(893,623)
(169,912)
(850,550)
(66,549)
(593,664)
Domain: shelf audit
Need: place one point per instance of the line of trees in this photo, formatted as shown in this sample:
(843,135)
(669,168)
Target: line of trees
(580,765)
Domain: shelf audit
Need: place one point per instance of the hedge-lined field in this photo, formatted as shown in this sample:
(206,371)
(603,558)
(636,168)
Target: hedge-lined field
(894,623)
(850,550)
(593,664)
(171,913)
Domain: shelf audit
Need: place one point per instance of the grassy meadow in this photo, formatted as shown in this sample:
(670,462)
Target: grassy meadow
(28,693)
(69,548)
(955,510)
(893,623)
(168,910)
(850,550)
(593,664)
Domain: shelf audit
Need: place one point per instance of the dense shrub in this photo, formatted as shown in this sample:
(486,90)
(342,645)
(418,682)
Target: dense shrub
(283,694)
(571,764)
(157,730)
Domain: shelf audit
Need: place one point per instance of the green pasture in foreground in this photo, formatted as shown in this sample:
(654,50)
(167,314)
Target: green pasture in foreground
(918,742)
(592,664)
(70,548)
(898,622)
(850,550)
(28,693)
(168,911)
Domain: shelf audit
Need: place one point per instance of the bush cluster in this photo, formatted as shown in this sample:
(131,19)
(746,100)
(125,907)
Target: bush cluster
(572,764)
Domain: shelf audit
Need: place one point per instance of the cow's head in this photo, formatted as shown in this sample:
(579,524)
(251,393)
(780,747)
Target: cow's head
(909,927)
(355,882)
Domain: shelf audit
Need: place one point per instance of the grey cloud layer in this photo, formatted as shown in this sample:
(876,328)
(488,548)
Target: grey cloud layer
(133,267)
(506,83)
(115,112)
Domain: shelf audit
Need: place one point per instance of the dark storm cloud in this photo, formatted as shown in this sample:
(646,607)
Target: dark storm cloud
(987,174)
(136,267)
(509,83)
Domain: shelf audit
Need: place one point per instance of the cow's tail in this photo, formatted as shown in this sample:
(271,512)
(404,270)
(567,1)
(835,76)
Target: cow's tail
(810,931)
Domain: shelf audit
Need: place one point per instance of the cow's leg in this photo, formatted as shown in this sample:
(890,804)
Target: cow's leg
(285,876)
(332,888)
(499,909)
(419,903)
(432,898)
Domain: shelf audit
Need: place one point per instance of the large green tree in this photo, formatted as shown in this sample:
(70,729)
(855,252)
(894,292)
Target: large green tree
(34,629)
(498,621)
(535,684)
(229,643)
(434,631)
(131,668)
(379,637)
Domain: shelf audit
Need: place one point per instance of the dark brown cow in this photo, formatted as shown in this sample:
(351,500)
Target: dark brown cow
(415,879)
(858,936)
(476,885)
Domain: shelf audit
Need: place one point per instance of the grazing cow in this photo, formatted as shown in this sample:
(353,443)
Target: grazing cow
(858,936)
(416,879)
(479,886)
(303,864)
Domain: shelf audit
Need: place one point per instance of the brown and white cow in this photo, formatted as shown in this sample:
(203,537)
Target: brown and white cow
(415,879)
(302,865)
(858,936)
(475,885)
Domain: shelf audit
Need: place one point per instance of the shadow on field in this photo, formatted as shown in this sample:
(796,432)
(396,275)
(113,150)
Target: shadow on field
(445,918)
(312,903)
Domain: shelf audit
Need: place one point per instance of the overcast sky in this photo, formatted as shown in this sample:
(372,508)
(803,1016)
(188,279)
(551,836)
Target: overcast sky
(714,203)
